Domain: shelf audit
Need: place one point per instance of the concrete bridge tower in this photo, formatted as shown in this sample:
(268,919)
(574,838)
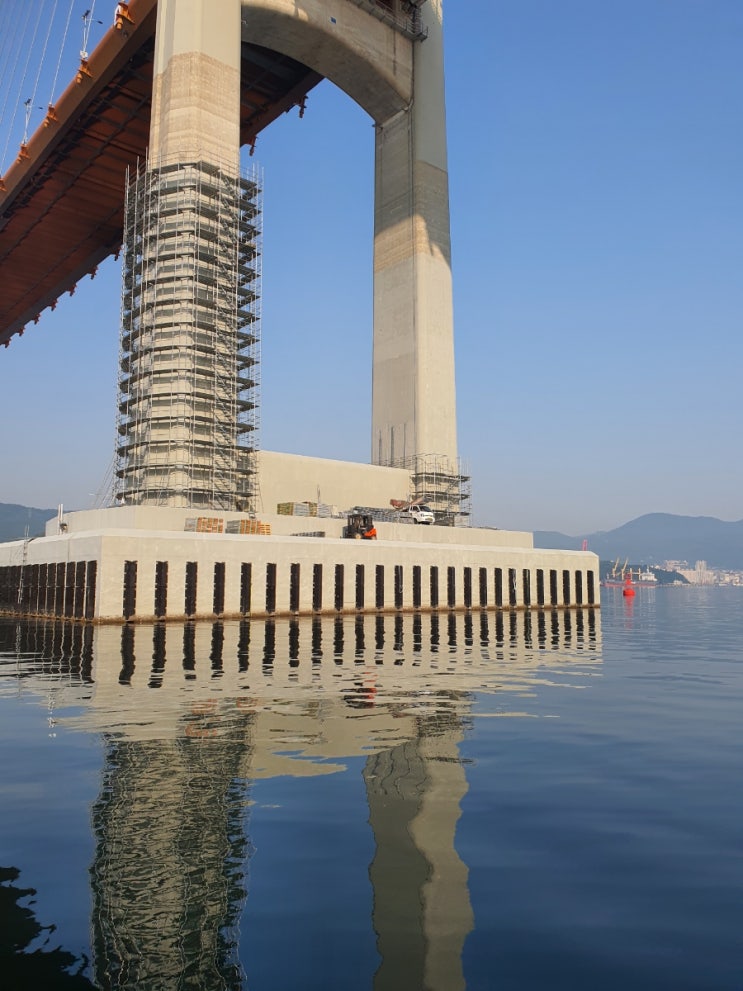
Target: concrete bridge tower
(190,261)
(414,410)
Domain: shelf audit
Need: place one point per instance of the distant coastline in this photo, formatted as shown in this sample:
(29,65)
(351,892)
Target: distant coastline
(662,540)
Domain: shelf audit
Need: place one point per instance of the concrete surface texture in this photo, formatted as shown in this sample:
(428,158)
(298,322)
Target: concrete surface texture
(146,563)
(196,84)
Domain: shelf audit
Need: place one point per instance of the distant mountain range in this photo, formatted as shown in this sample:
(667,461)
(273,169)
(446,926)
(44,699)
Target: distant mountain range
(658,537)
(14,520)
(650,539)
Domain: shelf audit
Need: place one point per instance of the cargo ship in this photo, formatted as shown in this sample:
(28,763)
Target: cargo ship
(619,577)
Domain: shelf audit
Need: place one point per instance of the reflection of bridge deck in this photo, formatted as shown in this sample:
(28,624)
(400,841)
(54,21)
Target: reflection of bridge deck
(62,201)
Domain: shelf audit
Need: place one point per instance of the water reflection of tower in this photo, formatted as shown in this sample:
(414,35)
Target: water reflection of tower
(170,864)
(422,910)
(168,875)
(171,856)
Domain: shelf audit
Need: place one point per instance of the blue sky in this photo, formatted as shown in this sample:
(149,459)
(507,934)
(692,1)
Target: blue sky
(596,164)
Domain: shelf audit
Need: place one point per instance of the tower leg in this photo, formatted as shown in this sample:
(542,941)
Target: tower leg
(196,83)
(190,263)
(413,392)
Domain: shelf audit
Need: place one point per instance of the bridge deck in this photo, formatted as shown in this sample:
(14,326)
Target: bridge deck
(62,205)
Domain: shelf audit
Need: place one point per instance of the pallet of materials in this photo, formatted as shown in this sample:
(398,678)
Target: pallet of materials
(204,524)
(248,527)
(306,509)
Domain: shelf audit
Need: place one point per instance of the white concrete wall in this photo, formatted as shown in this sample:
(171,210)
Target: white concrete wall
(111,548)
(295,478)
(160,520)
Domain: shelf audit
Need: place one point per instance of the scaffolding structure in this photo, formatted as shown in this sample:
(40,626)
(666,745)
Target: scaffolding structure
(189,357)
(441,483)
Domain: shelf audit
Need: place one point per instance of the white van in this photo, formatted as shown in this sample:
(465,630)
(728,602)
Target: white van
(420,514)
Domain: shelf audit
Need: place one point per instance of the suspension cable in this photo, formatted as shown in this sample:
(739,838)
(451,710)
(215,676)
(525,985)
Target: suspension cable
(9,47)
(14,48)
(61,51)
(43,52)
(87,24)
(23,78)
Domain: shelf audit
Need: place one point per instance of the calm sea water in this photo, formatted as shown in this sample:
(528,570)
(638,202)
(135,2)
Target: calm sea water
(518,801)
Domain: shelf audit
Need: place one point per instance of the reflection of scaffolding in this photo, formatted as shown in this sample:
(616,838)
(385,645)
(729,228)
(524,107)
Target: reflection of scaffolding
(441,484)
(169,877)
(190,339)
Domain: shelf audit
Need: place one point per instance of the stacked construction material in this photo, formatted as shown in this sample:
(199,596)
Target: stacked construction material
(248,527)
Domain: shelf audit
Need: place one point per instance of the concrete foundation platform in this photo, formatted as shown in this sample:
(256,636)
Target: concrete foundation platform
(142,564)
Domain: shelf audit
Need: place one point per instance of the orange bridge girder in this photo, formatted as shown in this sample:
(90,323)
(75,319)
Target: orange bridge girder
(62,201)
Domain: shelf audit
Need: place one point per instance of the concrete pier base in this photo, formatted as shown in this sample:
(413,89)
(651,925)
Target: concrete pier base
(143,564)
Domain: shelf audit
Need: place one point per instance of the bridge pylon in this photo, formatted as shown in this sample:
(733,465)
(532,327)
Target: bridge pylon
(191,262)
(389,59)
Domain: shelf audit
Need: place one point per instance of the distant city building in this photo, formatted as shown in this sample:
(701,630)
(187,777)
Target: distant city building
(699,574)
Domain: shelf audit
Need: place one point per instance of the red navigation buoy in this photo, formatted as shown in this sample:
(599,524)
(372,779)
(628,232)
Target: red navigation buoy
(628,590)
